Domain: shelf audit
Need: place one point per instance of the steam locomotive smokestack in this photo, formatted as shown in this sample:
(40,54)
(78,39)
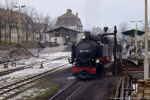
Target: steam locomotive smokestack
(87,34)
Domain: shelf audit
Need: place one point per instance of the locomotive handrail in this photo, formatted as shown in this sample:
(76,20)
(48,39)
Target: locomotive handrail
(107,34)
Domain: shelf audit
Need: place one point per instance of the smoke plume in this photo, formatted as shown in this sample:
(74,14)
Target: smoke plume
(92,13)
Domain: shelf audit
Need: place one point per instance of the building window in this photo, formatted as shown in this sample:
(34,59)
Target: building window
(55,39)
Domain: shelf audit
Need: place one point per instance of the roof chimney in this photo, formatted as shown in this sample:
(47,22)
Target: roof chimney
(77,15)
(69,11)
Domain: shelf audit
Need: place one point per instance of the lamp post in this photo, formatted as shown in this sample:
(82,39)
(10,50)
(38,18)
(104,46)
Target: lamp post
(135,35)
(19,33)
(146,63)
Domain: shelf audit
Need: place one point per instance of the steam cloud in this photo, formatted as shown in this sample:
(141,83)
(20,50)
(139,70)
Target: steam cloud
(92,13)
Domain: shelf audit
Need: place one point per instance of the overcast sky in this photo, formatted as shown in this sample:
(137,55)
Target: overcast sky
(93,12)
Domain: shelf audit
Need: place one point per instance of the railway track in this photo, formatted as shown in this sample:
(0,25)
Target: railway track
(5,90)
(124,89)
(69,91)
(2,73)
(9,60)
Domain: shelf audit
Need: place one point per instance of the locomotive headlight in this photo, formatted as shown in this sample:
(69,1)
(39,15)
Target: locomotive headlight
(83,37)
(97,60)
(70,60)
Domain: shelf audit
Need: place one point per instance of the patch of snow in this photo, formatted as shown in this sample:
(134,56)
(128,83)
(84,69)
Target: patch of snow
(71,78)
(18,75)
(54,49)
(41,58)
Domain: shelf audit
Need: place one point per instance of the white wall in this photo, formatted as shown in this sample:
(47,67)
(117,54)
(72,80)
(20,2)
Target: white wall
(59,40)
(72,27)
(79,36)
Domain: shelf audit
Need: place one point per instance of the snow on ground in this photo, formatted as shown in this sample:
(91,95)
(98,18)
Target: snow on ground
(54,49)
(36,69)
(2,53)
(28,93)
(55,55)
(41,58)
(34,51)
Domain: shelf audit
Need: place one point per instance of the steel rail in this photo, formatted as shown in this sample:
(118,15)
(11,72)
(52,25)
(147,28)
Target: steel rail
(117,90)
(76,91)
(122,90)
(23,82)
(65,89)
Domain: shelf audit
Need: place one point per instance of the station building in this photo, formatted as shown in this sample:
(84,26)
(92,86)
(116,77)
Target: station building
(66,29)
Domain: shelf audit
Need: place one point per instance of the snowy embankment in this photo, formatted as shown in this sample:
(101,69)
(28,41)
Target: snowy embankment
(32,60)
(36,69)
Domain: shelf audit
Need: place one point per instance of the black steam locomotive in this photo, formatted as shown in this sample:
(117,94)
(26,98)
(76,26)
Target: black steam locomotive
(89,55)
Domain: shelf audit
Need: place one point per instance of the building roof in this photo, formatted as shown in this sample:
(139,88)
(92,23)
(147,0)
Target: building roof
(69,19)
(62,28)
(132,32)
(6,14)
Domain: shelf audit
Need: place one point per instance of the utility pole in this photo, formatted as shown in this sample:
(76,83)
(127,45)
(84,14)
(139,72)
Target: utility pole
(136,44)
(146,63)
(19,30)
(135,35)
(19,41)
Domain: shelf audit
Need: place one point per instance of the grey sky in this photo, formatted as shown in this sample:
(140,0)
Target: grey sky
(93,12)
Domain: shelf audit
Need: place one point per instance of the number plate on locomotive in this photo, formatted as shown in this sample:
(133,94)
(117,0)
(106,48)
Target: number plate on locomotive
(84,51)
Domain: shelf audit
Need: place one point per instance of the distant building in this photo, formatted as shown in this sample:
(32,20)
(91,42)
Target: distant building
(63,35)
(9,24)
(66,29)
(96,31)
(69,20)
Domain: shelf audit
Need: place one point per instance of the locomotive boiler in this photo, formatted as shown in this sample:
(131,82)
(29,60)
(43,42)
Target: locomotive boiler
(89,56)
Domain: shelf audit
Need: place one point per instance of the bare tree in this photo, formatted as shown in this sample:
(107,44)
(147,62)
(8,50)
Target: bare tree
(52,23)
(1,26)
(1,23)
(10,22)
(4,24)
(123,26)
(39,24)
(47,22)
(2,20)
(28,22)
(9,16)
(32,22)
(33,16)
